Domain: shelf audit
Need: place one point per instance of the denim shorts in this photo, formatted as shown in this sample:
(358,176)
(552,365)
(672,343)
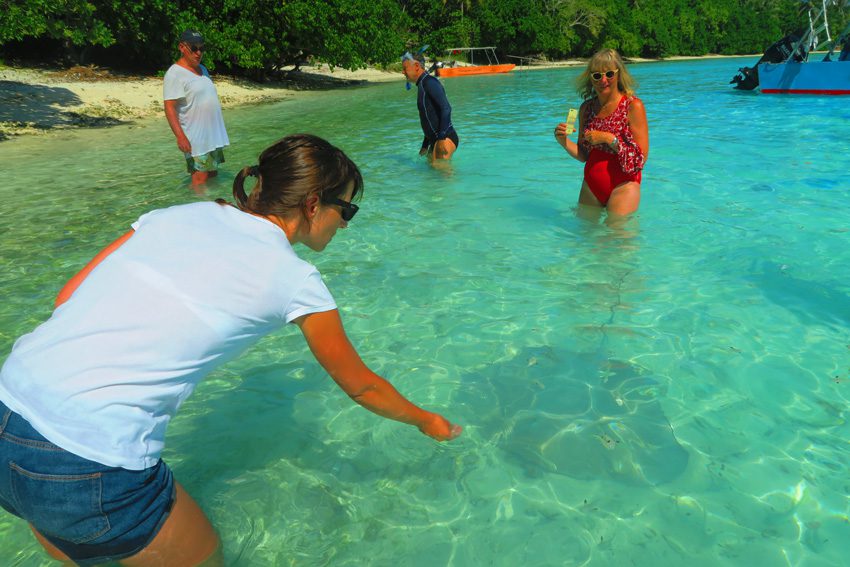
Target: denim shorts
(93,513)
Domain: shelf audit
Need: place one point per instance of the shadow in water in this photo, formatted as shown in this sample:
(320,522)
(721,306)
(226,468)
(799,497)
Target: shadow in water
(228,432)
(811,302)
(579,415)
(250,427)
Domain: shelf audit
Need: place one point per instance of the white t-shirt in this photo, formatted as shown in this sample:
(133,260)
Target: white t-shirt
(193,287)
(198,108)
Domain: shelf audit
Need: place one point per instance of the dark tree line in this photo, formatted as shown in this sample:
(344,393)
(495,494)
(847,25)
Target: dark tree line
(256,38)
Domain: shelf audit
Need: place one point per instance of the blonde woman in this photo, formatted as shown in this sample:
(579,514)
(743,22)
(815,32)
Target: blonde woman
(613,139)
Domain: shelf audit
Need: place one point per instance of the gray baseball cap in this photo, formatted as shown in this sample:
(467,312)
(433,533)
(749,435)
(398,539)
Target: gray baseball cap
(192,37)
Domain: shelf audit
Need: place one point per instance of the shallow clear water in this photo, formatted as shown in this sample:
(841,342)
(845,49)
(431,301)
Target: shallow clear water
(673,390)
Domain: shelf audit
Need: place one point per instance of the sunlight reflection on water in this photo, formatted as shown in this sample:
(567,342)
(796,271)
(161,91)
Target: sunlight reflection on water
(669,391)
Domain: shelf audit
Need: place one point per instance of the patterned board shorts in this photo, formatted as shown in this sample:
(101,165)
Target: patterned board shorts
(204,162)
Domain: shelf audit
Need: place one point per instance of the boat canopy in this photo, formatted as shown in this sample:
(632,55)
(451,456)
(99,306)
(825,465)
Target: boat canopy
(488,52)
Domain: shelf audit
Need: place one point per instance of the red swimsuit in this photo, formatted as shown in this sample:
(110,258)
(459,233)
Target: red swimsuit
(605,170)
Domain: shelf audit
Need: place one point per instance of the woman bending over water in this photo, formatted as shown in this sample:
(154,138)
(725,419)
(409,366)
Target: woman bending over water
(613,139)
(86,397)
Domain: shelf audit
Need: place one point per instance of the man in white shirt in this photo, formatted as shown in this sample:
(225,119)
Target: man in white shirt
(194,111)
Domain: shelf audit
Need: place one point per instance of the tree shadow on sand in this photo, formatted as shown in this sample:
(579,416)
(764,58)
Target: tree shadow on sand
(43,107)
(302,80)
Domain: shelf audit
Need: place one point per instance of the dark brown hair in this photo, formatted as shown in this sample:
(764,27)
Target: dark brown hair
(291,170)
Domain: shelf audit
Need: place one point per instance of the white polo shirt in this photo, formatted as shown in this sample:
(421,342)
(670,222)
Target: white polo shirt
(192,288)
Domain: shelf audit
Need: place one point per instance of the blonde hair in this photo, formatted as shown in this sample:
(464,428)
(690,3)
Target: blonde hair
(604,59)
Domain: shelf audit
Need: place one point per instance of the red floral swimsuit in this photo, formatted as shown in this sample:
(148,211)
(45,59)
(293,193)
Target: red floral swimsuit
(604,170)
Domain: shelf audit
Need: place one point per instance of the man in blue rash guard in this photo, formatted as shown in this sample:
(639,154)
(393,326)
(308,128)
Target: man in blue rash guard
(435,112)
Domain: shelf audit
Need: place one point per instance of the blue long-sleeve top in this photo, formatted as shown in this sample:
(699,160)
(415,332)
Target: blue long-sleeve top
(435,112)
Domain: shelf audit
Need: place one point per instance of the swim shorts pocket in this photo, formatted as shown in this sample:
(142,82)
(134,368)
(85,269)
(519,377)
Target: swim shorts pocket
(64,506)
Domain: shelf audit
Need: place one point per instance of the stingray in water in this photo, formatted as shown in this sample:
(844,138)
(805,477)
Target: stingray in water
(579,415)
(810,301)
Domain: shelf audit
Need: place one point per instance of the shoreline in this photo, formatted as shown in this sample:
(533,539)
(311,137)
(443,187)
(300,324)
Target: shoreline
(43,101)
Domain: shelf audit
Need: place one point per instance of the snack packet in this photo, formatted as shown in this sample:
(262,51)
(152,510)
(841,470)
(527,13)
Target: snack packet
(571,121)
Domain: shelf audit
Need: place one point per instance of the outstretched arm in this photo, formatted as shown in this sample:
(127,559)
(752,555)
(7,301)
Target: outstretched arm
(331,347)
(69,288)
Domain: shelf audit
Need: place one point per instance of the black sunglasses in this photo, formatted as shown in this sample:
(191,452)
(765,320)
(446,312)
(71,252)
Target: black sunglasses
(348,209)
(197,48)
(597,76)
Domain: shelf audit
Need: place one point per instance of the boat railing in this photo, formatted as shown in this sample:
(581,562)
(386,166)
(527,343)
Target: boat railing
(489,53)
(525,61)
(818,26)
(842,38)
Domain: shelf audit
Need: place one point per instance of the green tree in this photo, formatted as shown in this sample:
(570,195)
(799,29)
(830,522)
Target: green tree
(74,23)
(145,31)
(348,33)
(259,37)
(256,38)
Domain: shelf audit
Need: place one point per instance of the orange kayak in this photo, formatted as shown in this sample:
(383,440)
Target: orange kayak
(474,70)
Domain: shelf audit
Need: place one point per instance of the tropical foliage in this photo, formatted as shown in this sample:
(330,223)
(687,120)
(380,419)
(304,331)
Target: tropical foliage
(258,37)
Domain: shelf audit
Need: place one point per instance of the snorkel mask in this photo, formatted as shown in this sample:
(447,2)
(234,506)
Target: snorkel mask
(408,56)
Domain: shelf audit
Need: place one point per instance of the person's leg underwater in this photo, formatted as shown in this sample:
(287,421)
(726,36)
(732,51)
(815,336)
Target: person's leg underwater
(186,539)
(625,199)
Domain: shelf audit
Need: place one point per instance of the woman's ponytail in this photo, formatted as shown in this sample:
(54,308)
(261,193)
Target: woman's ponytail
(239,186)
(290,171)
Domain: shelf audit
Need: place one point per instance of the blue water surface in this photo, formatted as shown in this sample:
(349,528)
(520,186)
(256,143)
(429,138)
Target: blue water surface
(668,391)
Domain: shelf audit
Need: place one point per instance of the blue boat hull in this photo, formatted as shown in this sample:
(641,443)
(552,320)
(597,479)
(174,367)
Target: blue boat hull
(810,77)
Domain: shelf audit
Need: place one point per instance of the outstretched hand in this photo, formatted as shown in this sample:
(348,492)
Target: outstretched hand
(439,428)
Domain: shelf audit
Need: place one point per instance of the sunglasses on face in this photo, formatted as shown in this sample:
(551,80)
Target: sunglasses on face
(348,209)
(597,76)
(196,48)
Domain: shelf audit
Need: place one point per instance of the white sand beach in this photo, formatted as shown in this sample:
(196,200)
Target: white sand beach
(38,101)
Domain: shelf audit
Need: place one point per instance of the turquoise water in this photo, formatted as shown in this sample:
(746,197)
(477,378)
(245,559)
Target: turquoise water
(669,391)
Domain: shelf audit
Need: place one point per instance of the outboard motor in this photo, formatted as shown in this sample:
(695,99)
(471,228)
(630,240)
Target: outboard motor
(786,48)
(747,78)
(435,68)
